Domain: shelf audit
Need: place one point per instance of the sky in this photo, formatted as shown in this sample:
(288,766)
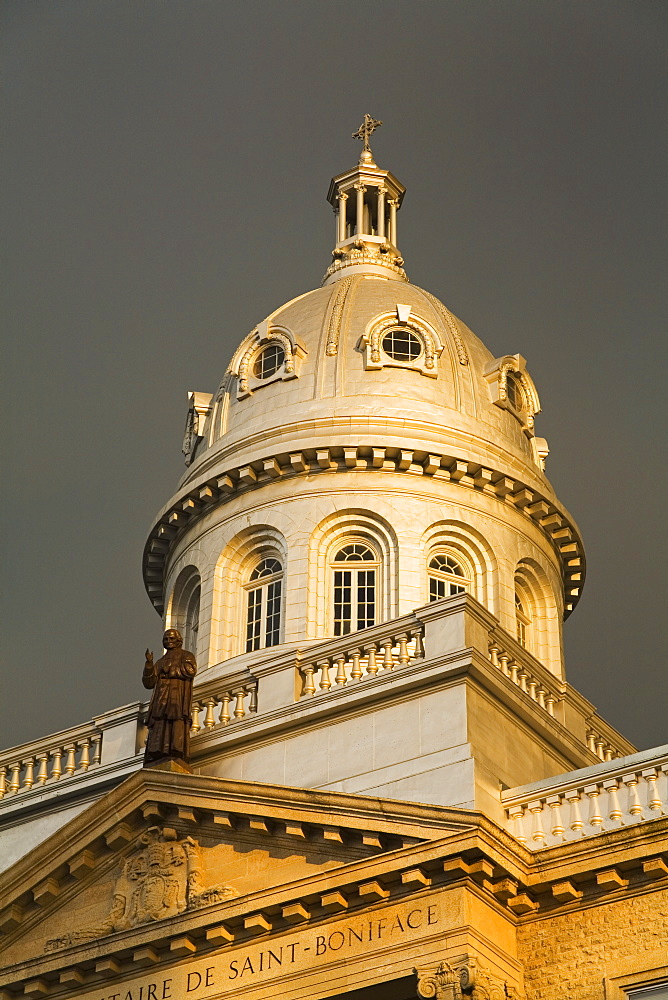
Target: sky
(165,171)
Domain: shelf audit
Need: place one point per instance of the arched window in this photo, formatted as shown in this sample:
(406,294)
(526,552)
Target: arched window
(522,619)
(191,624)
(355,587)
(447,576)
(514,391)
(263,608)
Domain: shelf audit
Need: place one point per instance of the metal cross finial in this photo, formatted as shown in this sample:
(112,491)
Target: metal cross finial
(368,126)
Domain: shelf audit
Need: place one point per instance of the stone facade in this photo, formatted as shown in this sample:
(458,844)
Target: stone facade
(396,793)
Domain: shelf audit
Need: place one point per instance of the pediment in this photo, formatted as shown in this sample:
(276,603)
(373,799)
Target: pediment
(167,849)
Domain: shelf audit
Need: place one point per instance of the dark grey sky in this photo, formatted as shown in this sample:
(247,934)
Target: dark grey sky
(166,165)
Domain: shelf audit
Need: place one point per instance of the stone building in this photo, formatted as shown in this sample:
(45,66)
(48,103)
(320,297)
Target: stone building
(396,793)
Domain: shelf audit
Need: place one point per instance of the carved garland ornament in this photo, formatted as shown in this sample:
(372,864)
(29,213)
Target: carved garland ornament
(532,406)
(451,325)
(249,354)
(426,338)
(162,878)
(334,329)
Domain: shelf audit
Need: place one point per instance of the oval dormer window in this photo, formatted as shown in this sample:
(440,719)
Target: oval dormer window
(514,392)
(401,345)
(270,359)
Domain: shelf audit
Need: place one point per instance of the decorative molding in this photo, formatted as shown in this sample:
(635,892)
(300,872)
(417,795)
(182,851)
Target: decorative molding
(496,373)
(464,977)
(198,411)
(241,365)
(447,317)
(534,506)
(334,326)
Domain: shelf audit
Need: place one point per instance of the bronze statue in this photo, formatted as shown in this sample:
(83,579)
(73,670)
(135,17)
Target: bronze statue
(169,713)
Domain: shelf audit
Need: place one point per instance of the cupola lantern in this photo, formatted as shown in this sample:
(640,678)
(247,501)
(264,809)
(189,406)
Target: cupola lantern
(366,200)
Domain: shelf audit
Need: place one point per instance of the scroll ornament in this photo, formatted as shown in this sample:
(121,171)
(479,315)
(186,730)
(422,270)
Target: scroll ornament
(462,980)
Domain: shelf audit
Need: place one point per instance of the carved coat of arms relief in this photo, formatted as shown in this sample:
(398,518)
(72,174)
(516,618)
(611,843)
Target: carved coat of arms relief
(162,878)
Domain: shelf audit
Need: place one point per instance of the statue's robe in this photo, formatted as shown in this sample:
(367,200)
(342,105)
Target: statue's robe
(169,713)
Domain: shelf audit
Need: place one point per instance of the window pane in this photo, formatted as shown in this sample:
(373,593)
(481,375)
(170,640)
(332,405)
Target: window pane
(402,345)
(658,992)
(366,598)
(356,552)
(253,620)
(266,568)
(273,623)
(342,602)
(436,589)
(268,361)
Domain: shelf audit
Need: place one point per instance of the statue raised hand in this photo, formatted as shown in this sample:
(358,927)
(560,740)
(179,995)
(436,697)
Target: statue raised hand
(169,712)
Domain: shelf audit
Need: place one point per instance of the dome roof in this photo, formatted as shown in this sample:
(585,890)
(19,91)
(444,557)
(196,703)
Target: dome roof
(369,360)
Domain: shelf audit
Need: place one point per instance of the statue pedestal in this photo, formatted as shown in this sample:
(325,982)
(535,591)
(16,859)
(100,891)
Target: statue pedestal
(170,764)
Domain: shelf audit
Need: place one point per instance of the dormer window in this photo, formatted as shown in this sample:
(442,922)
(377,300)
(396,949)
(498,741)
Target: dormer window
(514,391)
(269,360)
(401,345)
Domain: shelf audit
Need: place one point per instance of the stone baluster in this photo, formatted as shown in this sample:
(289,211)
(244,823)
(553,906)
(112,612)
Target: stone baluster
(209,715)
(404,656)
(239,707)
(309,683)
(372,662)
(503,664)
(15,777)
(96,740)
(550,702)
(195,710)
(3,781)
(29,775)
(599,744)
(419,644)
(653,798)
(57,768)
(514,670)
(591,736)
(634,807)
(341,678)
(575,821)
(224,716)
(252,706)
(614,809)
(325,682)
(608,753)
(84,760)
(541,696)
(70,758)
(523,675)
(558,828)
(356,669)
(43,769)
(536,810)
(494,654)
(593,794)
(388,660)
(532,689)
(517,814)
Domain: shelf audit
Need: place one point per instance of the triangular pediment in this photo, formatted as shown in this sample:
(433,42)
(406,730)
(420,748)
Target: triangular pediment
(168,848)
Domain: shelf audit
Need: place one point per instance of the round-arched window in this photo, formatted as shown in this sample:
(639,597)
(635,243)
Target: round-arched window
(268,361)
(402,345)
(447,576)
(355,588)
(263,608)
(522,619)
(514,391)
(191,627)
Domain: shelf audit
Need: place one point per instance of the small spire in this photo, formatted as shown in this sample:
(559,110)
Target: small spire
(368,126)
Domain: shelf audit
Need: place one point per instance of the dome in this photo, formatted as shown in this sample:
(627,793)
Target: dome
(363,412)
(370,362)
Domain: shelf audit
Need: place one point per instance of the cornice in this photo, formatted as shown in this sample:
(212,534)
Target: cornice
(188,507)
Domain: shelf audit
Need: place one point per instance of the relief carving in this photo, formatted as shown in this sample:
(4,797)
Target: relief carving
(465,978)
(162,878)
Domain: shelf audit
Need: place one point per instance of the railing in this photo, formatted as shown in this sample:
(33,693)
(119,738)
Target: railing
(357,657)
(211,710)
(599,745)
(44,763)
(526,680)
(631,790)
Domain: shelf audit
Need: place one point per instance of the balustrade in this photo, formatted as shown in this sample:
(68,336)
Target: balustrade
(522,677)
(617,798)
(211,711)
(359,657)
(44,764)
